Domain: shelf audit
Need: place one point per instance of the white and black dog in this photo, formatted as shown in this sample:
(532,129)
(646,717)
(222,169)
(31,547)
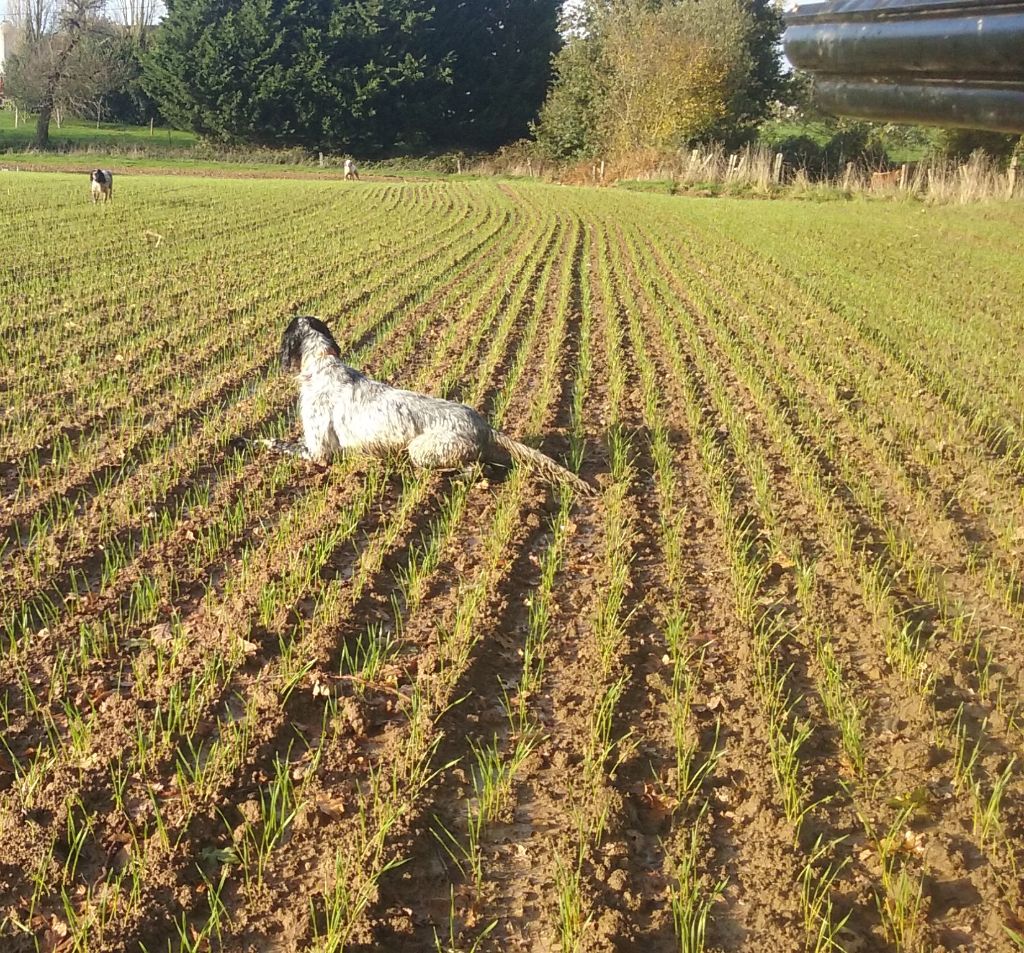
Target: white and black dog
(102,184)
(342,409)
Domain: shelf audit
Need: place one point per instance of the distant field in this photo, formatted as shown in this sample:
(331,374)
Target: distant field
(79,134)
(80,146)
(762,693)
(906,144)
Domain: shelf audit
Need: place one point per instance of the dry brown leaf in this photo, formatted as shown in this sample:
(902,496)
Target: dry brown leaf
(912,843)
(160,634)
(657,801)
(334,808)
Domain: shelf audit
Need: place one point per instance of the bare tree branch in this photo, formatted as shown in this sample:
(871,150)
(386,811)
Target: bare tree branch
(33,19)
(136,16)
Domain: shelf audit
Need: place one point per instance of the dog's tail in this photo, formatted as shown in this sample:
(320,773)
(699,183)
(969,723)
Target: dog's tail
(541,463)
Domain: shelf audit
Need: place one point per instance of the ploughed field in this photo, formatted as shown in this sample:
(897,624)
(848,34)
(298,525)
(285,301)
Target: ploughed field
(762,693)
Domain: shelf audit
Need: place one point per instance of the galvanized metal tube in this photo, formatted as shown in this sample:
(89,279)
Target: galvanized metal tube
(997,108)
(980,46)
(947,62)
(848,10)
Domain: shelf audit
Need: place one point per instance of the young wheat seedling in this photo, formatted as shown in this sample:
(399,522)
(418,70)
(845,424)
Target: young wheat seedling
(691,905)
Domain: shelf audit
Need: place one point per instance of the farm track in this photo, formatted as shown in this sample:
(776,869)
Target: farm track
(762,692)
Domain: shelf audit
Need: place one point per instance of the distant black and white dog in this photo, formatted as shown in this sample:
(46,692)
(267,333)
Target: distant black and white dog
(342,409)
(102,184)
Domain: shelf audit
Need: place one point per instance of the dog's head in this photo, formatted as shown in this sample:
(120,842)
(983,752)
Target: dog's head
(98,176)
(305,335)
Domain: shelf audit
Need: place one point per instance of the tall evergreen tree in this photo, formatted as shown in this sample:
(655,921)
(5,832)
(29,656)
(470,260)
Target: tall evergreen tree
(498,54)
(323,74)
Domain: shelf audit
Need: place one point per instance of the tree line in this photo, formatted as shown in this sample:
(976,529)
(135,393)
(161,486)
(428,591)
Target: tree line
(391,76)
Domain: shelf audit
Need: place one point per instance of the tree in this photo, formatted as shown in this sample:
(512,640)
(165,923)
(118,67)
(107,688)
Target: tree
(660,74)
(323,74)
(127,101)
(674,71)
(101,65)
(55,63)
(764,84)
(569,124)
(136,16)
(959,144)
(497,54)
(34,18)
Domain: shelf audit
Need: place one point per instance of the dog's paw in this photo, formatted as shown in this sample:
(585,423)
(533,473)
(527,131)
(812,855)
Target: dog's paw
(274,445)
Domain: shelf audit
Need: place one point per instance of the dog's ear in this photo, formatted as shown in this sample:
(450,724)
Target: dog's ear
(291,346)
(300,333)
(317,327)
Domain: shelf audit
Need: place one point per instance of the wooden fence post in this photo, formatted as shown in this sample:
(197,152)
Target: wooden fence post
(904,177)
(847,176)
(777,168)
(1011,177)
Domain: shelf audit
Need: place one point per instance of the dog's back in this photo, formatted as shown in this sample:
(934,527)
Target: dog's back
(342,409)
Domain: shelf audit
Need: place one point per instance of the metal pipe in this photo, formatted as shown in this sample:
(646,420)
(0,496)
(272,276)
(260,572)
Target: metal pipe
(999,109)
(975,47)
(947,62)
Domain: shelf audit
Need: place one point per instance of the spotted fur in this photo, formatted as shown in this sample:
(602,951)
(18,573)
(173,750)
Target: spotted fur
(342,409)
(102,185)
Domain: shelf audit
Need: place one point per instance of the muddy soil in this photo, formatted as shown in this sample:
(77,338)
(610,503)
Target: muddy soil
(263,730)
